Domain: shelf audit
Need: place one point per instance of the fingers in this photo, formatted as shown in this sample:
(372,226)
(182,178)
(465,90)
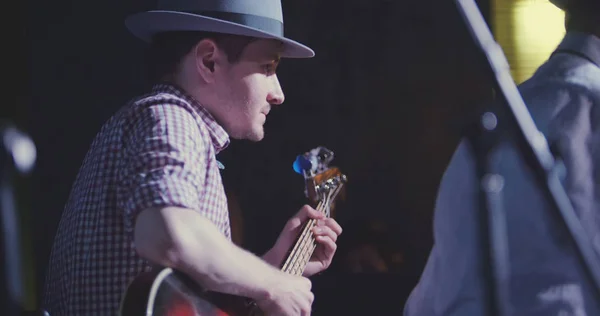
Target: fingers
(302,215)
(307,283)
(307,212)
(329,246)
(308,297)
(306,311)
(311,299)
(307,306)
(322,230)
(326,233)
(332,224)
(328,226)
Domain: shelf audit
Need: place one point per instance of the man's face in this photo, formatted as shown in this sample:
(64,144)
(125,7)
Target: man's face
(246,90)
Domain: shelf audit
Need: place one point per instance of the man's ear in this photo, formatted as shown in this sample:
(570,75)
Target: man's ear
(206,55)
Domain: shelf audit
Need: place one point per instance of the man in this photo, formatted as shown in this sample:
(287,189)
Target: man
(546,277)
(149,191)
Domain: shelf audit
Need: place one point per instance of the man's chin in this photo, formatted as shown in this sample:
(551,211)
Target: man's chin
(256,137)
(253,136)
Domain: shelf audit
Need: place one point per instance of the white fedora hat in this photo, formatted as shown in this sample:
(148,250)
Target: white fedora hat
(254,18)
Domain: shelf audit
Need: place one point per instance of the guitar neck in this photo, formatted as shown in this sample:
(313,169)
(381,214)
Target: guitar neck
(323,188)
(302,250)
(305,245)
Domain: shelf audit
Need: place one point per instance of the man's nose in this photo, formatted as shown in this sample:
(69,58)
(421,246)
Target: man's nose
(276,96)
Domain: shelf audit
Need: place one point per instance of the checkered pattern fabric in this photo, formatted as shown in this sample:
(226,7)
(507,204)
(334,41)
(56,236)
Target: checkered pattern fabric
(159,150)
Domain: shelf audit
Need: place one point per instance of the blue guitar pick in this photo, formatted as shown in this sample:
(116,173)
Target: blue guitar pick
(301,164)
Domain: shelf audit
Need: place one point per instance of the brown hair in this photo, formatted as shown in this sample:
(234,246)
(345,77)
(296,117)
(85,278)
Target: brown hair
(168,48)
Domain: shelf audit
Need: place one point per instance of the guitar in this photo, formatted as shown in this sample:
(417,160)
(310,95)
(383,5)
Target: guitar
(168,292)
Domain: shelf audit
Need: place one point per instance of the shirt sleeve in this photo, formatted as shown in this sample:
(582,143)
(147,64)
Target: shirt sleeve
(575,130)
(164,161)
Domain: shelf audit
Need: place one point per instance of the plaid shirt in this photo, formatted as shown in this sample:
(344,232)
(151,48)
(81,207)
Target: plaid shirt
(159,150)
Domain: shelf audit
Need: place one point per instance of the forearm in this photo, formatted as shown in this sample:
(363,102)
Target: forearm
(273,257)
(166,237)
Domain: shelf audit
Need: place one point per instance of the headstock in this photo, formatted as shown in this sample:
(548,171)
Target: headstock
(322,182)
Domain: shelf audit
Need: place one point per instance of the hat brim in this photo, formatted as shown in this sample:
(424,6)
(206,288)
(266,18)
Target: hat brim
(561,4)
(145,24)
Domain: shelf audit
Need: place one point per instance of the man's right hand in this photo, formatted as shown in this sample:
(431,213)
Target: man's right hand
(289,295)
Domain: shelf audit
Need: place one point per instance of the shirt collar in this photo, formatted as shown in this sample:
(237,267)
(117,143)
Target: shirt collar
(583,44)
(218,135)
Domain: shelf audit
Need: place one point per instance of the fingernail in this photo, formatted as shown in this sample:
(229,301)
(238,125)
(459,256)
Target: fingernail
(318,230)
(320,222)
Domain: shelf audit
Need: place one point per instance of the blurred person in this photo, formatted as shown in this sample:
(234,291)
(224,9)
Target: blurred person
(547,277)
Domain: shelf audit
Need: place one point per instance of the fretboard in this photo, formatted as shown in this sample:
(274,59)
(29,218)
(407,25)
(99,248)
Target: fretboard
(302,251)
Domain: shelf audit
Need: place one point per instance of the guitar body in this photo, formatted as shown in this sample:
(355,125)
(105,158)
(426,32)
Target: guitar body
(167,292)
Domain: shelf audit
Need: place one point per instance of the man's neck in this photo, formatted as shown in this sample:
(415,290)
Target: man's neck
(188,87)
(197,91)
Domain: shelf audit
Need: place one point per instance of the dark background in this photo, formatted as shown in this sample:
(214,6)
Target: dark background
(390,85)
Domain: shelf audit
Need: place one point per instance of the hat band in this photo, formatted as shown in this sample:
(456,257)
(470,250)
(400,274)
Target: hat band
(262,23)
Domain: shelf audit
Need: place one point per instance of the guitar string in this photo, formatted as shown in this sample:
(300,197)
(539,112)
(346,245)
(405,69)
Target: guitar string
(299,249)
(295,250)
(291,260)
(305,247)
(306,239)
(303,241)
(311,244)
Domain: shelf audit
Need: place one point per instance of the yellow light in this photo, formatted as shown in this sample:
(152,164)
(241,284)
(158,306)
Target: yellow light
(528,31)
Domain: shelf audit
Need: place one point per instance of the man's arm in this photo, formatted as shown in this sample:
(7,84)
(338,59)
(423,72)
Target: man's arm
(165,236)
(164,172)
